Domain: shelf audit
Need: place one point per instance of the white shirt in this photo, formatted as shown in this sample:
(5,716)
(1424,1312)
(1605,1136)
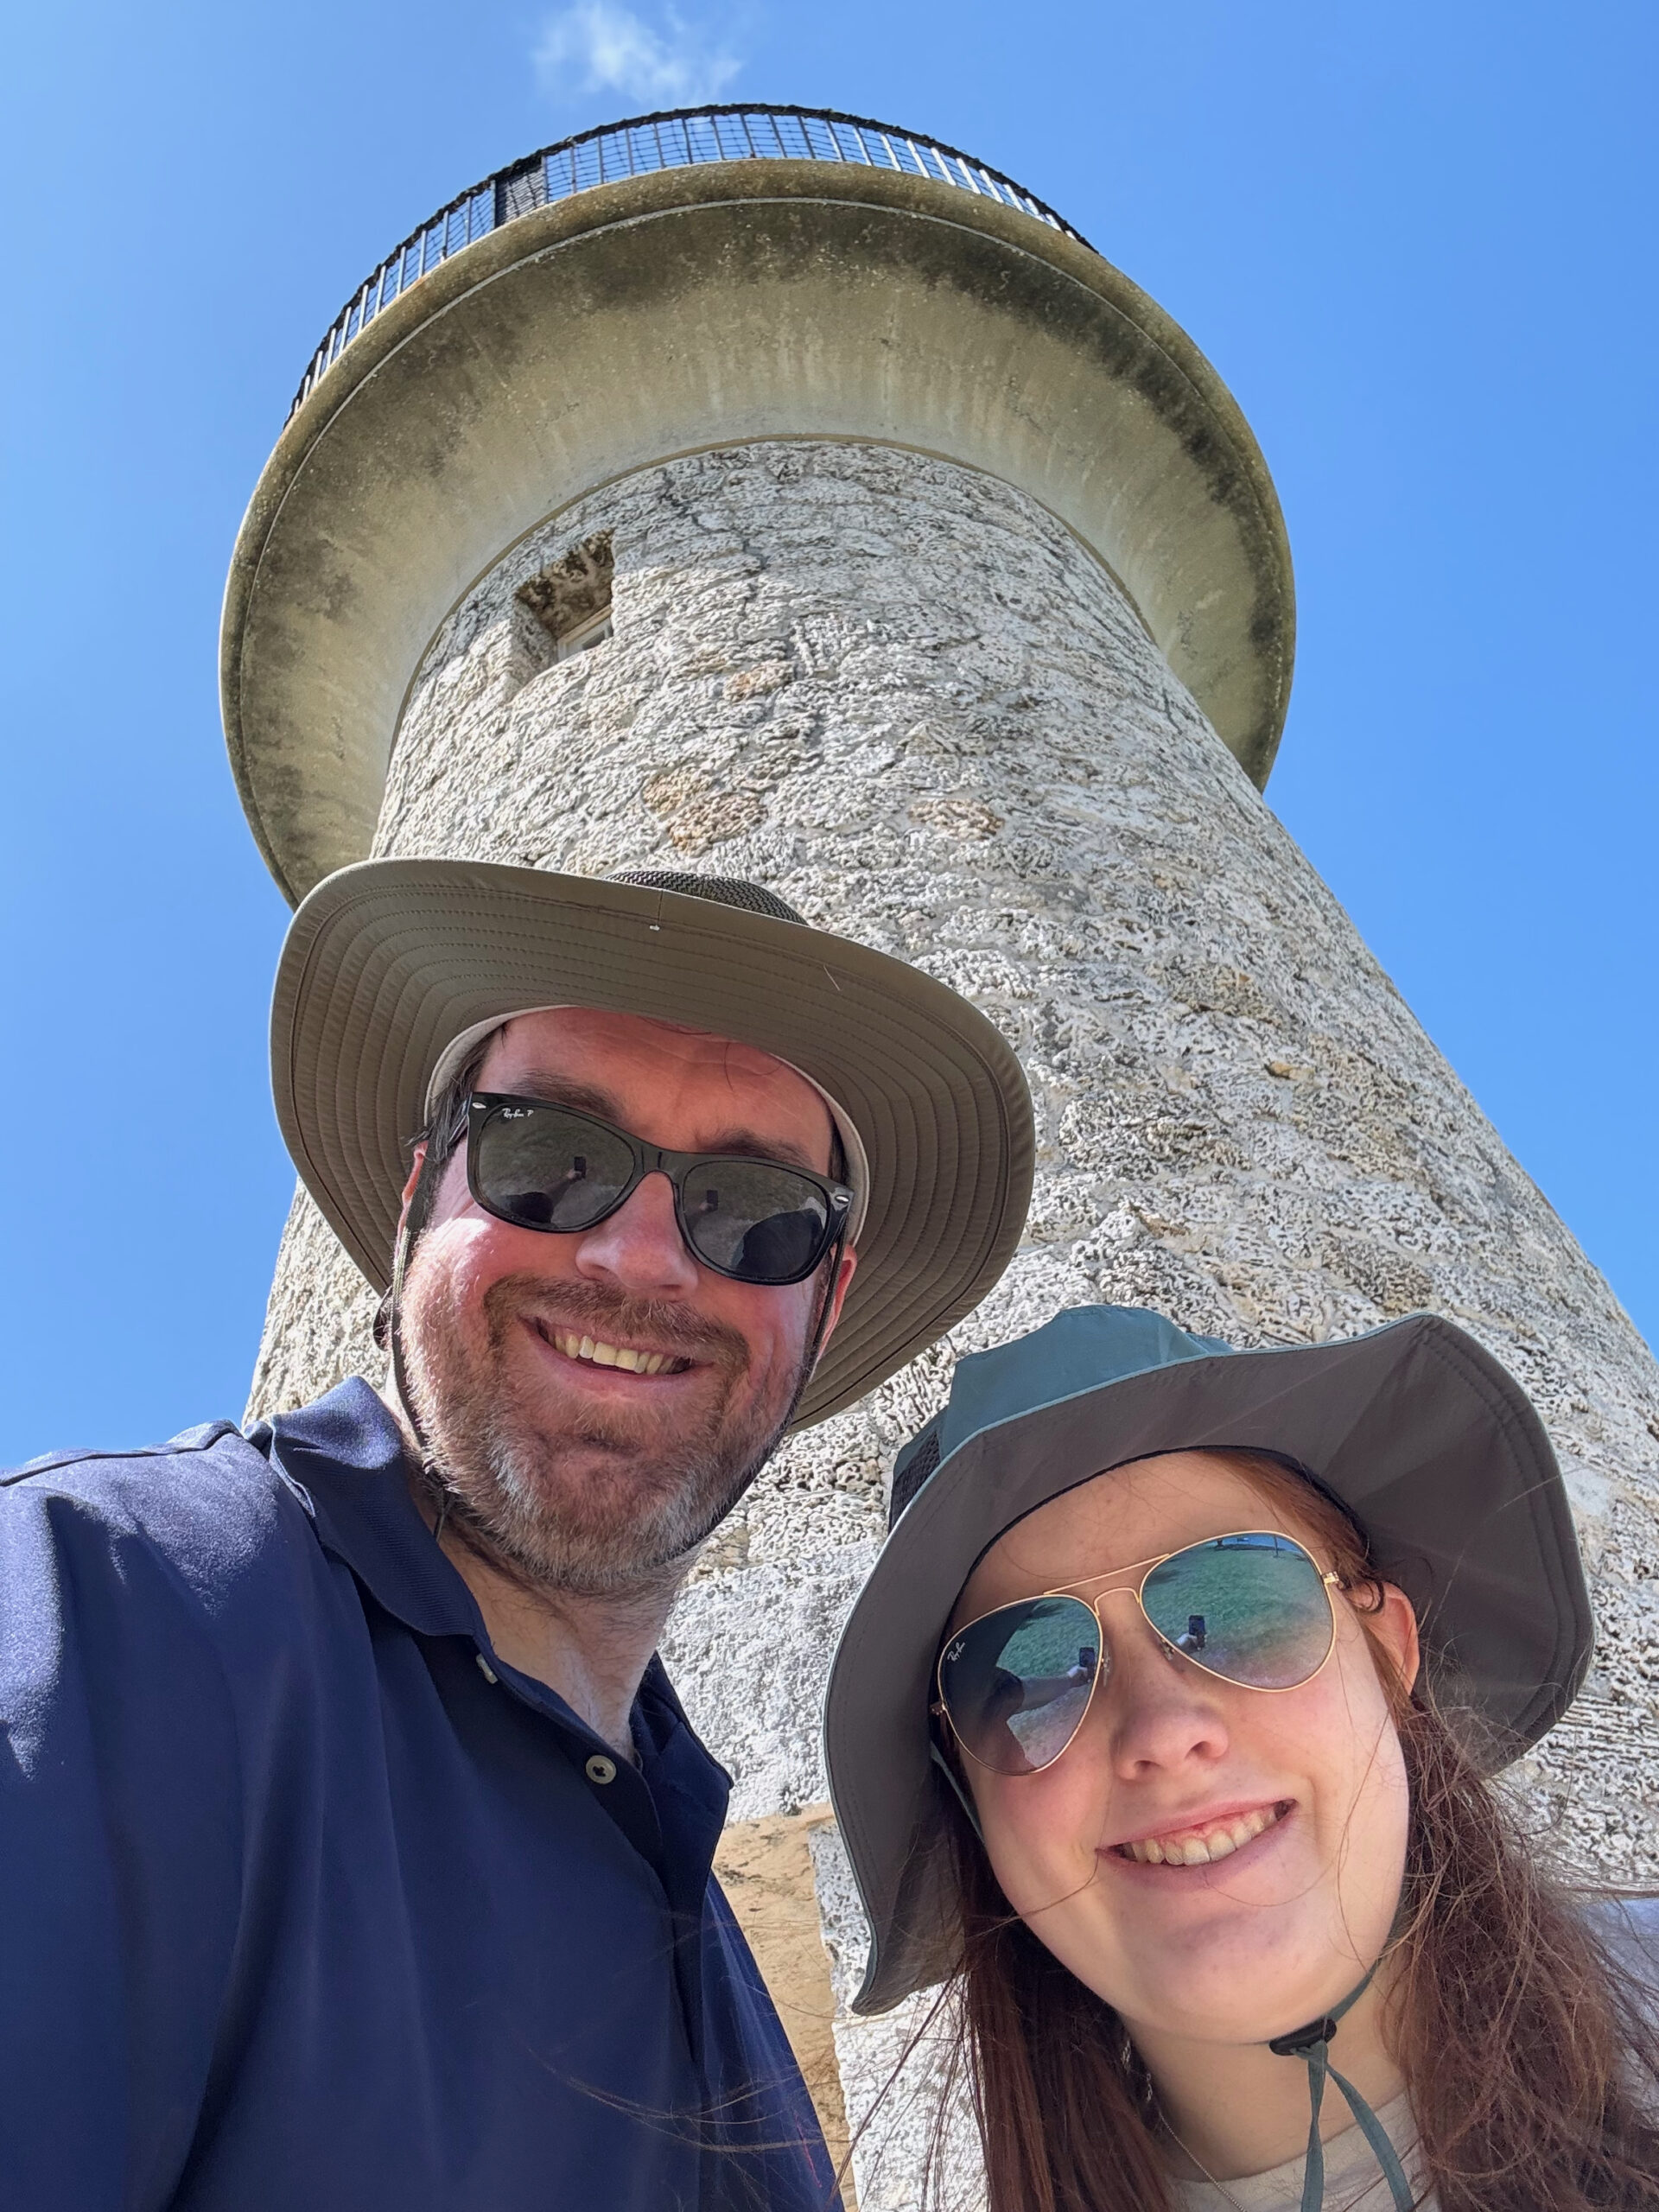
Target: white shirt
(1353,2180)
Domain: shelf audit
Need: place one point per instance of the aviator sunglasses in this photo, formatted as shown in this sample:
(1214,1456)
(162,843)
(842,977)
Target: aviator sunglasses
(541,1166)
(1252,1608)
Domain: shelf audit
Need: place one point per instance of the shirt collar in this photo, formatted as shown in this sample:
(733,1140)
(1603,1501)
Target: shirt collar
(346,1453)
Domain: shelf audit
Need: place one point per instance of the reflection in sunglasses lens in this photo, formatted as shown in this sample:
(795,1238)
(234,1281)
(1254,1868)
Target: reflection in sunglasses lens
(1016,1684)
(546,1168)
(755,1220)
(1250,1608)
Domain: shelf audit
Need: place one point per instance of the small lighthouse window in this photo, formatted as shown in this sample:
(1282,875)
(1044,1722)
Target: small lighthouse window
(571,599)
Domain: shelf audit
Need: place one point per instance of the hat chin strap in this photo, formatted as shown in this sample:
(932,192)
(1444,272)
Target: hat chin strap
(954,1780)
(830,1266)
(413,1222)
(1313,2044)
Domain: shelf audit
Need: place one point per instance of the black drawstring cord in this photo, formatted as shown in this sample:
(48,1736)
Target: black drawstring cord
(954,1779)
(413,1222)
(810,1360)
(1313,2044)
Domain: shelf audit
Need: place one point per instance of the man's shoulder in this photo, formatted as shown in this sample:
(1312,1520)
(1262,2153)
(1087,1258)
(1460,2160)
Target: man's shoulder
(213,1463)
(87,1463)
(207,1510)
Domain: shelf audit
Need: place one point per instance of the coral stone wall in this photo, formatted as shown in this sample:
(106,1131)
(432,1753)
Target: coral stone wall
(906,698)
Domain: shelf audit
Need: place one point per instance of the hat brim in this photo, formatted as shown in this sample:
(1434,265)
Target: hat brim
(387,962)
(1435,1449)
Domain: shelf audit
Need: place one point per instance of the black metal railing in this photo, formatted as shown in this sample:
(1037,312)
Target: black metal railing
(678,139)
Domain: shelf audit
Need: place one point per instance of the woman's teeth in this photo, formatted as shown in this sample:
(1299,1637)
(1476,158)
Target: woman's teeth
(1199,1847)
(603,1354)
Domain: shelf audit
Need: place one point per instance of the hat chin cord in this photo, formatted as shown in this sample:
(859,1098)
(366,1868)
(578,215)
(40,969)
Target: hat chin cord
(1313,2044)
(413,1222)
(830,1266)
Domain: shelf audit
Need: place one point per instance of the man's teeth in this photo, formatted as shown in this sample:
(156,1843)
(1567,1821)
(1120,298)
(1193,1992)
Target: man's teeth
(1199,1847)
(603,1354)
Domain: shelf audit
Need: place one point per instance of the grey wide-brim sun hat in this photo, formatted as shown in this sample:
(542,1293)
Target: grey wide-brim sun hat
(391,964)
(1434,1449)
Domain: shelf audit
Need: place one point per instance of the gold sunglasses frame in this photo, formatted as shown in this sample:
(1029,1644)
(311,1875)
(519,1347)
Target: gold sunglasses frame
(1329,1580)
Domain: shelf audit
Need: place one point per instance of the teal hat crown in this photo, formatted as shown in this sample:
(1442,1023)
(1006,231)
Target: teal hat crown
(1079,1350)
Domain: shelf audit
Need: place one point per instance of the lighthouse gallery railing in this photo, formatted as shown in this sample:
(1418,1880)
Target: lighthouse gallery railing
(680,138)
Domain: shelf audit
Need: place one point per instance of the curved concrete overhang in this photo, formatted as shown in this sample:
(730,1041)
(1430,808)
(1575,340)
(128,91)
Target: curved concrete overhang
(706,306)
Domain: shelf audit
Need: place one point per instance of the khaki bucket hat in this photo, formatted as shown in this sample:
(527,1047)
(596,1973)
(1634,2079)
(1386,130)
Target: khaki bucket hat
(389,964)
(1414,1429)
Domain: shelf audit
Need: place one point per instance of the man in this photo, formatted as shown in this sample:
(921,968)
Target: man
(355,1849)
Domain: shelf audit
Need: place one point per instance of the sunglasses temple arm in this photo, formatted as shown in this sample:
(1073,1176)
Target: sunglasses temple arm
(963,1798)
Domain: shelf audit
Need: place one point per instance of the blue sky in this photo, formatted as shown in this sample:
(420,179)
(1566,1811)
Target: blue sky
(1415,240)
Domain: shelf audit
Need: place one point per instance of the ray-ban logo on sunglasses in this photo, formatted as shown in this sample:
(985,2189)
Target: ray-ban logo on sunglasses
(955,1652)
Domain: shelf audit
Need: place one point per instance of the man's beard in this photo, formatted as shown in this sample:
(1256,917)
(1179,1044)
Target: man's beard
(508,1473)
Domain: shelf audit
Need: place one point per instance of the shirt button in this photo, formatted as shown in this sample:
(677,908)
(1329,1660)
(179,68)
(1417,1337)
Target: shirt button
(485,1669)
(600,1768)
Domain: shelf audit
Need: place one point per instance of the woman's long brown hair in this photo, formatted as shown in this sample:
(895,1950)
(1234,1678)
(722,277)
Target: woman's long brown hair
(1530,2059)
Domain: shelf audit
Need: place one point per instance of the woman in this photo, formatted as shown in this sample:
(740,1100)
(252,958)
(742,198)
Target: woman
(1164,1726)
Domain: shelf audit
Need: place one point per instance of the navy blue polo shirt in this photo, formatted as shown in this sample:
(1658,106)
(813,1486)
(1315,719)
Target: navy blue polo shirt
(312,1903)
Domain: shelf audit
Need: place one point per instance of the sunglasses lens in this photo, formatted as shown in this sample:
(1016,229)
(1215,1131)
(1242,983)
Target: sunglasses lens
(545,1167)
(1254,1608)
(750,1219)
(1015,1685)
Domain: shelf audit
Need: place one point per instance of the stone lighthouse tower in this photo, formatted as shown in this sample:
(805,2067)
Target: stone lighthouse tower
(793,498)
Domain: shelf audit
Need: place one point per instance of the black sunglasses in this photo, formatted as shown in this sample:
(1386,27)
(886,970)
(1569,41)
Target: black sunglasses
(541,1166)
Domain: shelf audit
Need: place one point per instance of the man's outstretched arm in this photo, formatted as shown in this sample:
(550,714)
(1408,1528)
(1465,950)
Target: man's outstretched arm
(120,1849)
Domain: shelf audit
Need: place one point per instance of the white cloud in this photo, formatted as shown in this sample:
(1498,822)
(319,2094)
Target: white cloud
(597,46)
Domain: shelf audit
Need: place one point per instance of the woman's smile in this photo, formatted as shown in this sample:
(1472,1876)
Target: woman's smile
(1199,1840)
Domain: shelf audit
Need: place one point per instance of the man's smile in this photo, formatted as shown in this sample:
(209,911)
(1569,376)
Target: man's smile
(593,1352)
(634,1359)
